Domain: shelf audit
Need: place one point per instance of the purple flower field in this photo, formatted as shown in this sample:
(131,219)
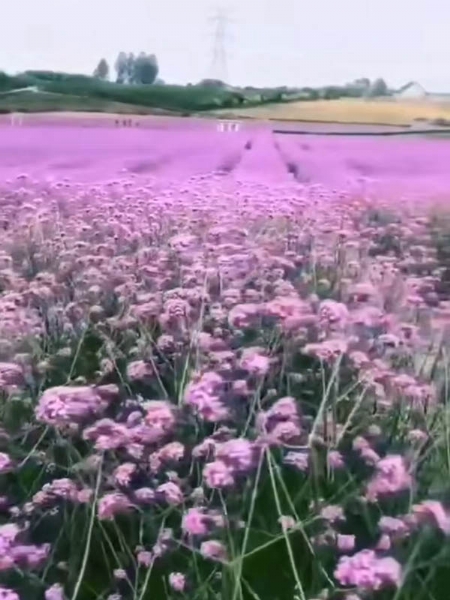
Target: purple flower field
(223,365)
(99,152)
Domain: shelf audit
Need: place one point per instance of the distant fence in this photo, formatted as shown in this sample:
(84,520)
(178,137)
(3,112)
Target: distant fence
(15,119)
(228,126)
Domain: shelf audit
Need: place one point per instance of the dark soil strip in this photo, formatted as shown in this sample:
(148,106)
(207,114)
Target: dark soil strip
(327,121)
(230,163)
(148,166)
(419,132)
(292,167)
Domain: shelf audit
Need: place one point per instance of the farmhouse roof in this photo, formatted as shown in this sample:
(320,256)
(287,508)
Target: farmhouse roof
(408,85)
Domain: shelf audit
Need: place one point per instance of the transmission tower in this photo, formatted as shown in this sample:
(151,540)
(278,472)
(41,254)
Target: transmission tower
(219,61)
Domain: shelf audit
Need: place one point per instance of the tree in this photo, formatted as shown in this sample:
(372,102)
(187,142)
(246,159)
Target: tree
(212,83)
(121,66)
(378,88)
(130,68)
(145,68)
(332,92)
(309,93)
(363,82)
(136,69)
(102,70)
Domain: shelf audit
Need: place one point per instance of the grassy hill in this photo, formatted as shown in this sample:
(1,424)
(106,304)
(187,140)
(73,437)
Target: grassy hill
(34,102)
(48,90)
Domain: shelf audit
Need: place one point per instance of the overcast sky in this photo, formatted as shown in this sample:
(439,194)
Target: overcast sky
(272,42)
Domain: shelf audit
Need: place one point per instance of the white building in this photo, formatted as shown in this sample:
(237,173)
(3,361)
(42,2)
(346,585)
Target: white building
(415,91)
(411,91)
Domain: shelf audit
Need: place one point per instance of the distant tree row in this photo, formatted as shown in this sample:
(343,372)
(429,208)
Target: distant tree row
(129,68)
(360,88)
(371,89)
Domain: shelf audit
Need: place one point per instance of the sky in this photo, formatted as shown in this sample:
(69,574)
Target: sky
(269,42)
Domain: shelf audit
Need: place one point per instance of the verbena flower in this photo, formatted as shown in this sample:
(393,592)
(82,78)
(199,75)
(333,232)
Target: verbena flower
(8,594)
(177,582)
(366,571)
(391,477)
(55,592)
(63,405)
(112,504)
(213,550)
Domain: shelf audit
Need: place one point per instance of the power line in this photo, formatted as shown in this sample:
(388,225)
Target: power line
(219,59)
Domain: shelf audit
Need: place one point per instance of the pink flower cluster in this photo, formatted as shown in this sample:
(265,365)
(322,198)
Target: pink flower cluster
(7,594)
(65,405)
(391,477)
(281,423)
(367,571)
(234,458)
(15,554)
(205,397)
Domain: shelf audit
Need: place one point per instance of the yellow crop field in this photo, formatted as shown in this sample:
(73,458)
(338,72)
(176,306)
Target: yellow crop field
(388,112)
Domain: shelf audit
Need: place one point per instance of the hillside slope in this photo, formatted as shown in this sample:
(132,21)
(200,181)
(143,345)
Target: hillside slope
(35,102)
(176,98)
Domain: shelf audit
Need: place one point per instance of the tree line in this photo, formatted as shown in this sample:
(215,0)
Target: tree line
(130,68)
